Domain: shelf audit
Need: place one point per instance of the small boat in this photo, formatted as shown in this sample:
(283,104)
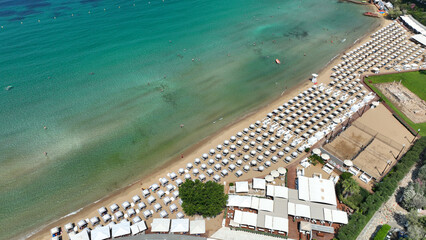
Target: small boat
(8,88)
(371,14)
(277,61)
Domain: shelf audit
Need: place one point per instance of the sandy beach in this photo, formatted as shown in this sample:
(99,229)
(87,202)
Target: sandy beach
(196,151)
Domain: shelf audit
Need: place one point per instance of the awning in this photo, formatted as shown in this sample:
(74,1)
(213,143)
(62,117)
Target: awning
(197,227)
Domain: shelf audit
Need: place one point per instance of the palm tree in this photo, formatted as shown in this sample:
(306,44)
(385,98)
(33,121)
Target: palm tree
(350,186)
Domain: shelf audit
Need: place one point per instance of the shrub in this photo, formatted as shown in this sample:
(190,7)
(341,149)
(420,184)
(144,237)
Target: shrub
(381,234)
(345,176)
(206,199)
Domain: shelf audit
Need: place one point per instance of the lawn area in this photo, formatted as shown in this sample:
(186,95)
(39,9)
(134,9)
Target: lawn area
(414,81)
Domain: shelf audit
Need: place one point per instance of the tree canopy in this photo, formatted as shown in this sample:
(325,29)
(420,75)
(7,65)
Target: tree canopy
(206,199)
(350,186)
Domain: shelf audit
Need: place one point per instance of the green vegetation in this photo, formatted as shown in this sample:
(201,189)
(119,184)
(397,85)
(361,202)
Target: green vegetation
(382,191)
(381,234)
(413,196)
(314,159)
(350,187)
(415,8)
(355,199)
(259,232)
(206,199)
(413,81)
(416,225)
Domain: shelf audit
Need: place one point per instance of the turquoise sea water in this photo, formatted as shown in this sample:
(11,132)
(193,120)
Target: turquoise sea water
(112,81)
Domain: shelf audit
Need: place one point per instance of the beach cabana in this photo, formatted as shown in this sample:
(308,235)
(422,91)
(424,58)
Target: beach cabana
(180,215)
(197,227)
(131,212)
(164,181)
(145,193)
(173,175)
(114,207)
(82,224)
(241,187)
(94,220)
(160,225)
(119,215)
(120,229)
(102,211)
(170,187)
(100,233)
(179,182)
(154,187)
(167,200)
(55,231)
(151,199)
(147,214)
(239,173)
(137,219)
(141,205)
(164,214)
(173,207)
(126,205)
(160,193)
(179,225)
(106,218)
(157,207)
(69,227)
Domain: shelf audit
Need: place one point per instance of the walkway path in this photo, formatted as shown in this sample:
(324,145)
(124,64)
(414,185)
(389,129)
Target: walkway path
(228,234)
(387,212)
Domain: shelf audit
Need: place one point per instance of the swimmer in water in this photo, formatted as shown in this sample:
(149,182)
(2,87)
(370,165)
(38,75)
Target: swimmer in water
(45,128)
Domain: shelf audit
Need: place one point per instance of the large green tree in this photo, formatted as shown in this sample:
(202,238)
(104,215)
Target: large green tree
(350,186)
(206,199)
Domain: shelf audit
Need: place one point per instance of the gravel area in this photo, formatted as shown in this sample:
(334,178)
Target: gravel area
(389,213)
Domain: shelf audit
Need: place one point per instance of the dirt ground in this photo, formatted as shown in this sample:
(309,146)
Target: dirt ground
(409,103)
(348,144)
(384,143)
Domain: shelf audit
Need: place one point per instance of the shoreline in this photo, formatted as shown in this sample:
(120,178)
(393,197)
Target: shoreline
(195,150)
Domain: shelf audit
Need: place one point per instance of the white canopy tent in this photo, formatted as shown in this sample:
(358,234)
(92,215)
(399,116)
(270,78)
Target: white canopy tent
(245,218)
(266,204)
(303,210)
(83,235)
(160,225)
(100,233)
(259,183)
(241,187)
(179,225)
(280,192)
(120,229)
(255,203)
(239,201)
(317,190)
(197,227)
(339,216)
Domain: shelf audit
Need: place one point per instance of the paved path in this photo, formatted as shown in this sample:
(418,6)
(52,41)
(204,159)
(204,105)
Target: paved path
(163,237)
(228,234)
(387,212)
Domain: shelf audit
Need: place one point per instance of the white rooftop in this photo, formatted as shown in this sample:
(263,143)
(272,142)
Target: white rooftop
(180,225)
(259,183)
(241,187)
(197,227)
(266,204)
(317,190)
(100,233)
(120,229)
(160,225)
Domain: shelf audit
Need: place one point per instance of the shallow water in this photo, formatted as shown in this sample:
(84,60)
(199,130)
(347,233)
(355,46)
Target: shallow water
(112,86)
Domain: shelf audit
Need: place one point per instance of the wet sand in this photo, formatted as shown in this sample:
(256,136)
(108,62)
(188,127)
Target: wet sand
(126,194)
